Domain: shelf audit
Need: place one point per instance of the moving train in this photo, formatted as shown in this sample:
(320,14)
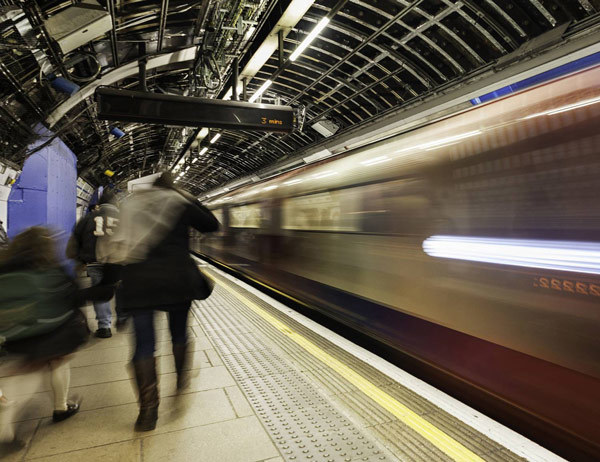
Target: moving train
(471,245)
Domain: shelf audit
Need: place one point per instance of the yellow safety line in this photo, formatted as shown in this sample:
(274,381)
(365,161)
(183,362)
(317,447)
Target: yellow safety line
(434,435)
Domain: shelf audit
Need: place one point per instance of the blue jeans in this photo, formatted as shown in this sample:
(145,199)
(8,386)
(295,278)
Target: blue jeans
(145,338)
(102,309)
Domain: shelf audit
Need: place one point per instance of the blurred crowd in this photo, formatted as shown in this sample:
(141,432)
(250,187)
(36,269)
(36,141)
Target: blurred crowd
(135,252)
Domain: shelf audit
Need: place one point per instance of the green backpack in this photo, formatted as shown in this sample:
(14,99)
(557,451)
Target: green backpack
(33,303)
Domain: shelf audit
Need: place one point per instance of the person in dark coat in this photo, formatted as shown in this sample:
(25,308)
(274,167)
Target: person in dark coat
(159,274)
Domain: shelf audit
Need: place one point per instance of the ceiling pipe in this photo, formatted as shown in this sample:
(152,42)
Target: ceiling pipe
(113,32)
(164,12)
(142,60)
(19,90)
(393,20)
(236,68)
(186,147)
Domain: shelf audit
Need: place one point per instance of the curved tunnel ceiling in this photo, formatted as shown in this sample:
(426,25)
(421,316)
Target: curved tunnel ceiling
(373,57)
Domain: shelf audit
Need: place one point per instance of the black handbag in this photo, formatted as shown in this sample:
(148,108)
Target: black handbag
(202,284)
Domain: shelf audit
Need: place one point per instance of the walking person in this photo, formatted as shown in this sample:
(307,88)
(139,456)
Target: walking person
(3,237)
(160,275)
(87,243)
(40,323)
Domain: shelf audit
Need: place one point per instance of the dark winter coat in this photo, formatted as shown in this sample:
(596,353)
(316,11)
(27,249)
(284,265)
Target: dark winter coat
(95,225)
(169,276)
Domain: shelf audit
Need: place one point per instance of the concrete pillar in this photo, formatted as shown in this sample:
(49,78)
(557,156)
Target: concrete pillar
(46,191)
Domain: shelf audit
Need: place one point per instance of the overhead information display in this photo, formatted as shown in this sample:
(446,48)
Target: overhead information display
(138,106)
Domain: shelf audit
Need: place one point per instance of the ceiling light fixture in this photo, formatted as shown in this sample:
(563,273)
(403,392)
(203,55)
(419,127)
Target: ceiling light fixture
(260,91)
(215,138)
(306,42)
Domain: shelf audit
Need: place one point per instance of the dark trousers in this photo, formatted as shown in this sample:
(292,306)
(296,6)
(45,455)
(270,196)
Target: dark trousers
(121,314)
(145,339)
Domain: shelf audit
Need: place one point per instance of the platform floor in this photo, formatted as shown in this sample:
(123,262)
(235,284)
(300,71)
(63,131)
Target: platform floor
(266,387)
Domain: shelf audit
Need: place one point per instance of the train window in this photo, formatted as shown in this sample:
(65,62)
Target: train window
(245,216)
(328,211)
(397,207)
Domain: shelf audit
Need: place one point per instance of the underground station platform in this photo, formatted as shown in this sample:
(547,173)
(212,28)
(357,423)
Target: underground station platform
(268,385)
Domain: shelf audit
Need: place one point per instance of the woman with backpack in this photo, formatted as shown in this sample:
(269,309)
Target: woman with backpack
(40,320)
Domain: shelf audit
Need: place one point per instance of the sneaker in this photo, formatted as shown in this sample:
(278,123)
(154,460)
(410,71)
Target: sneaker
(59,416)
(103,332)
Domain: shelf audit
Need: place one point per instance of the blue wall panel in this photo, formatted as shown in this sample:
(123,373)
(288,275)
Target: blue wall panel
(46,191)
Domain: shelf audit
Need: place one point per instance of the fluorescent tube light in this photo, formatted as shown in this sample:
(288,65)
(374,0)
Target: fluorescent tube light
(215,138)
(313,34)
(260,91)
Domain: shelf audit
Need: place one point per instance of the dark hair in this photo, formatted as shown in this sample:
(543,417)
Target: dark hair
(165,180)
(108,197)
(33,249)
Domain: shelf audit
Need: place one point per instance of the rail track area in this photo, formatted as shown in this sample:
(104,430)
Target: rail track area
(320,397)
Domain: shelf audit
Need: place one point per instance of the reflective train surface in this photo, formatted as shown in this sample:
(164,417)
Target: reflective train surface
(471,244)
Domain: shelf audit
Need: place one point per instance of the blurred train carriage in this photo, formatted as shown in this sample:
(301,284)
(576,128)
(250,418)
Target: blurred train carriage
(449,243)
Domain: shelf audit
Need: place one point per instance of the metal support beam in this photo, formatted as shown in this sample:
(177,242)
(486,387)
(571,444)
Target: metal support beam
(164,12)
(34,14)
(142,60)
(245,89)
(281,48)
(19,90)
(356,50)
(185,147)
(235,77)
(113,32)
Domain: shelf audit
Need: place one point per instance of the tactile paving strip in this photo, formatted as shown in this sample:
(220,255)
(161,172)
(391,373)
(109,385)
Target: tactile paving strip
(365,414)
(302,422)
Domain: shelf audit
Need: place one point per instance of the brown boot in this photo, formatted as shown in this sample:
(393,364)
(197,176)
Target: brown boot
(180,353)
(145,377)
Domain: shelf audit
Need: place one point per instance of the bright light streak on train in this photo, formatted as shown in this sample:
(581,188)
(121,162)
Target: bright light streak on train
(291,182)
(570,107)
(375,160)
(442,141)
(249,193)
(270,188)
(324,174)
(578,257)
(449,140)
